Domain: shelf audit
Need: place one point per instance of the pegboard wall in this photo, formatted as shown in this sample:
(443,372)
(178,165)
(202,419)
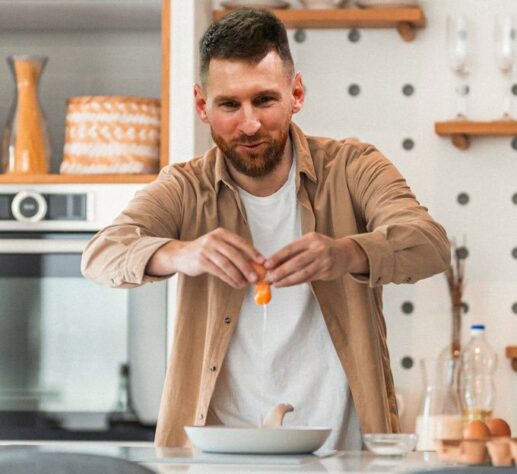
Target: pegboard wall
(370,84)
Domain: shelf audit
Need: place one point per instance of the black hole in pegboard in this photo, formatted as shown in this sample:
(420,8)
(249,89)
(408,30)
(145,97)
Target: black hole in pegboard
(408,144)
(407,307)
(407,362)
(514,198)
(300,36)
(514,252)
(462,253)
(514,308)
(465,307)
(514,143)
(514,89)
(462,90)
(463,198)
(354,35)
(408,90)
(354,90)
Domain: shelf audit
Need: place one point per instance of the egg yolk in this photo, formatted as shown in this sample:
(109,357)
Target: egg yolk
(262,293)
(262,288)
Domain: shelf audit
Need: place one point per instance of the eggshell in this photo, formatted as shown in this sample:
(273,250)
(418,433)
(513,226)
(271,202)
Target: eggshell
(259,269)
(498,427)
(476,429)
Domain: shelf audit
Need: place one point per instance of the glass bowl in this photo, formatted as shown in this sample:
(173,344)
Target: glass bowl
(390,444)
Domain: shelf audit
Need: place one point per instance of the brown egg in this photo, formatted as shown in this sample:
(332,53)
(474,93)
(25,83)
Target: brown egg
(499,427)
(476,429)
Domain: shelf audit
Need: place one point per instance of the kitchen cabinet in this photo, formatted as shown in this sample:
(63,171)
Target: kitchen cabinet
(405,20)
(95,47)
(461,131)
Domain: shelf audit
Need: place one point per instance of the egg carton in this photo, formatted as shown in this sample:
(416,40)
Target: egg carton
(498,451)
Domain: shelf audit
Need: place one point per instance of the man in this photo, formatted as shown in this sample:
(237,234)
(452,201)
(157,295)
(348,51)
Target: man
(332,221)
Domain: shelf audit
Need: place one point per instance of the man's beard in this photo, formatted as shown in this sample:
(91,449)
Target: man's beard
(254,164)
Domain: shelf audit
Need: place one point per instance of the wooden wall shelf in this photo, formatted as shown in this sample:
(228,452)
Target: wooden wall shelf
(405,20)
(460,131)
(511,353)
(76,179)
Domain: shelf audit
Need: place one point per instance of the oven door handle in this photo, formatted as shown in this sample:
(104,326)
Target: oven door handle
(37,246)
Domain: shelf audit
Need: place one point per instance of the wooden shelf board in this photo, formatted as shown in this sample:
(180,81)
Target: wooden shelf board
(346,17)
(479,128)
(75,179)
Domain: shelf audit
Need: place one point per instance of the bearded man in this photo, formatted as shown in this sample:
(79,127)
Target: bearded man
(331,221)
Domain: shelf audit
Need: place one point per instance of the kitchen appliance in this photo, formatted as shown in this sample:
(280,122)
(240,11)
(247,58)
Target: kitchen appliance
(77,360)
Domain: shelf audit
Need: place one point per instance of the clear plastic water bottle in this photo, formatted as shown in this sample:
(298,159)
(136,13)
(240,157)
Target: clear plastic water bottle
(477,388)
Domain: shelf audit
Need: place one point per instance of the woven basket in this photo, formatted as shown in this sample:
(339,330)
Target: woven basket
(107,135)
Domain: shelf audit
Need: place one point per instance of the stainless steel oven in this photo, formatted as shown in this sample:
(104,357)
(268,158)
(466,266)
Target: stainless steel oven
(77,360)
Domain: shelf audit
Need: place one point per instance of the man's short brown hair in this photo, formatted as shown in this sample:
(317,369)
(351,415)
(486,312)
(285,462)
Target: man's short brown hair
(246,34)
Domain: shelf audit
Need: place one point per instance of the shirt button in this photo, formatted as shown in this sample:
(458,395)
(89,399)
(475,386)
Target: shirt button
(201,416)
(213,368)
(408,279)
(378,280)
(227,320)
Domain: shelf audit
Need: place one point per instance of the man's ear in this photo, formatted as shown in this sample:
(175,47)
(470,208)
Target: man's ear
(298,93)
(200,102)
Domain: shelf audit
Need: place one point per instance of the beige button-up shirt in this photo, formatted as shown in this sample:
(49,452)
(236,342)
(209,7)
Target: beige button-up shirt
(344,188)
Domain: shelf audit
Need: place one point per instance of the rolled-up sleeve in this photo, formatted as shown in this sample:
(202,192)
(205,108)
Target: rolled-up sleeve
(402,241)
(117,255)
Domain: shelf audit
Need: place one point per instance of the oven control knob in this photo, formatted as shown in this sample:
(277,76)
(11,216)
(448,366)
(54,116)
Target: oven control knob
(28,206)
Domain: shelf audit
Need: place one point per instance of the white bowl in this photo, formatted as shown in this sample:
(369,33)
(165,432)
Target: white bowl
(283,440)
(323,4)
(390,444)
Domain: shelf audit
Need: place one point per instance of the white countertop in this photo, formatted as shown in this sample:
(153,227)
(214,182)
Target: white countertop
(186,460)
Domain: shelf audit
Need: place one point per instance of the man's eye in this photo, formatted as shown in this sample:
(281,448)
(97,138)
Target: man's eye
(229,104)
(264,100)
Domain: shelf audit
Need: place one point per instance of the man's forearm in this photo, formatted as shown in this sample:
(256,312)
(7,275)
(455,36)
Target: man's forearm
(163,261)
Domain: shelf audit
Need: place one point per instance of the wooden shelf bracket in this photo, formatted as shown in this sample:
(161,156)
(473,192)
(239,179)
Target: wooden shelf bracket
(511,353)
(407,31)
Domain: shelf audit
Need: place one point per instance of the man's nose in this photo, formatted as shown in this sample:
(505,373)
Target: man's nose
(250,123)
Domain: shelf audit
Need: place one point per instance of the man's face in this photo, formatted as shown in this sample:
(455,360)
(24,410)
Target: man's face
(249,108)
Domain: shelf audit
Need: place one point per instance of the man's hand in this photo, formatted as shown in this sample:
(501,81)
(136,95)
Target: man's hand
(220,253)
(315,257)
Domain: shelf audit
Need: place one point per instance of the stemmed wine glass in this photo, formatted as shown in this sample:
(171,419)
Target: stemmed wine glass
(459,48)
(505,43)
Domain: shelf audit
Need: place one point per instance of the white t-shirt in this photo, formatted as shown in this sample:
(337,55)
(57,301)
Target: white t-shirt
(296,362)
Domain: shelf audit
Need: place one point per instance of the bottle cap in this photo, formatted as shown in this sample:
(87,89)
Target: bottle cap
(477,327)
